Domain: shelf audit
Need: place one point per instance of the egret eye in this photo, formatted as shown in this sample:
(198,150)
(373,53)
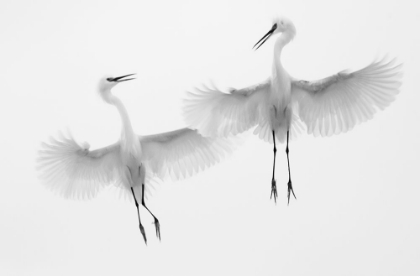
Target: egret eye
(109,79)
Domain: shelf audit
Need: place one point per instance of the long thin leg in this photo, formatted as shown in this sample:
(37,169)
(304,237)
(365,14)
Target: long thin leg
(138,213)
(273,181)
(157,224)
(289,184)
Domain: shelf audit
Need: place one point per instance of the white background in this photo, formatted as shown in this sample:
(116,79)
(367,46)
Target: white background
(357,211)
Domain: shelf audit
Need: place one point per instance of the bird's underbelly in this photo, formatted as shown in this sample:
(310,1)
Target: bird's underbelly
(133,164)
(278,106)
(275,117)
(279,116)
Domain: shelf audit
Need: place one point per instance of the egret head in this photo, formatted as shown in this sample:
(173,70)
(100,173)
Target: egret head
(283,24)
(108,82)
(280,25)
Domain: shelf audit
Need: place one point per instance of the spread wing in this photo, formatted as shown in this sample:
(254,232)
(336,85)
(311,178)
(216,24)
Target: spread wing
(337,103)
(215,113)
(182,152)
(73,171)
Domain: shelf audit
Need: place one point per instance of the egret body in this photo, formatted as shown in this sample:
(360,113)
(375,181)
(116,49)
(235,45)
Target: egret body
(73,171)
(278,105)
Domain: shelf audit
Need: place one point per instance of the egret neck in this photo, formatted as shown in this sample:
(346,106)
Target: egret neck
(280,78)
(129,140)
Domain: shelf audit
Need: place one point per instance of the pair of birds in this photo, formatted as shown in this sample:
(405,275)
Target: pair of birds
(276,107)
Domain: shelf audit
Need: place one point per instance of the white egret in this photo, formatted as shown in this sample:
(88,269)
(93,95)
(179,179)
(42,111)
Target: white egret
(276,106)
(73,171)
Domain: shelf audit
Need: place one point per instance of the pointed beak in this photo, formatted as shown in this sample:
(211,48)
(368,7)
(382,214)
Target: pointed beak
(121,79)
(265,37)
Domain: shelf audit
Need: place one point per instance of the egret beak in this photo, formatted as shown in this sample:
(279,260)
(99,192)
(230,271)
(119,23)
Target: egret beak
(120,79)
(265,37)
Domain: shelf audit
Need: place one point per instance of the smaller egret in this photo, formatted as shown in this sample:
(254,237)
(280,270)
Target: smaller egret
(279,104)
(73,171)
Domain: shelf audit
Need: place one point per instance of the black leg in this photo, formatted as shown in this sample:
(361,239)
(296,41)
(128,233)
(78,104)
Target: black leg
(157,225)
(289,184)
(273,181)
(138,213)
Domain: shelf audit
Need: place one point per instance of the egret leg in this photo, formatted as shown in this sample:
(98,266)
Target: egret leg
(157,224)
(138,213)
(289,184)
(273,181)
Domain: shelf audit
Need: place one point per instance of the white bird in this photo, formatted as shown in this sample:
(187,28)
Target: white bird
(73,171)
(276,106)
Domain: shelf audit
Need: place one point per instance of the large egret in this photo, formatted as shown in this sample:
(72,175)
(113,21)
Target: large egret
(277,105)
(73,171)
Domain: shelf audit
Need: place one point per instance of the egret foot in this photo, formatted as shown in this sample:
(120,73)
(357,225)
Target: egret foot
(143,233)
(289,189)
(273,190)
(156,223)
(157,226)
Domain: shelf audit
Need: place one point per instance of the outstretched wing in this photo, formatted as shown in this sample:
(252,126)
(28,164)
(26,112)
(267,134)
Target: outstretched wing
(337,103)
(215,113)
(182,152)
(73,171)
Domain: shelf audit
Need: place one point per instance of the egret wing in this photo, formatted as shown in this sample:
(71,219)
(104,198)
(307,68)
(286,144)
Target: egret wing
(215,113)
(182,152)
(337,103)
(73,171)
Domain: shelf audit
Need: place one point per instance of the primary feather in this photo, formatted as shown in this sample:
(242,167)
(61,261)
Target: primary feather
(215,113)
(182,153)
(337,103)
(328,106)
(72,171)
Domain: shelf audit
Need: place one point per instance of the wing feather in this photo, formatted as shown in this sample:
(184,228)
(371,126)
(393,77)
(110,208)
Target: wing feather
(182,153)
(72,171)
(215,113)
(337,103)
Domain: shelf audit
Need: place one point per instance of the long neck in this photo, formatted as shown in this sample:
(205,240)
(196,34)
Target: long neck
(127,128)
(128,138)
(282,41)
(280,78)
(130,144)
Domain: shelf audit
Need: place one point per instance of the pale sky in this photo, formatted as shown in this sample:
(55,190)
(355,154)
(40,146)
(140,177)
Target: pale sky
(357,211)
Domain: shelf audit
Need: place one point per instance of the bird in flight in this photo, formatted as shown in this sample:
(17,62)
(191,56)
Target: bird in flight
(72,170)
(279,105)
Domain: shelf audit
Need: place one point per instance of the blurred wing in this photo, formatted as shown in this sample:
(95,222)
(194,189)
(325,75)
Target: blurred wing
(73,171)
(337,103)
(182,152)
(215,113)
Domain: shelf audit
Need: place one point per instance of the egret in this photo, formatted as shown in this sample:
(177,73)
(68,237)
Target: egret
(73,171)
(278,105)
